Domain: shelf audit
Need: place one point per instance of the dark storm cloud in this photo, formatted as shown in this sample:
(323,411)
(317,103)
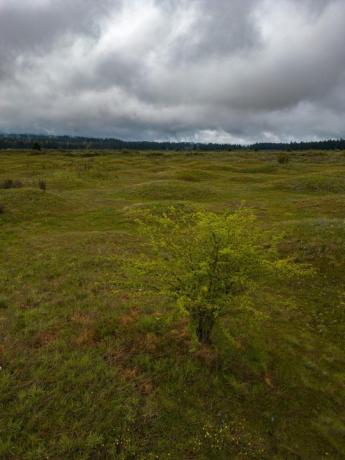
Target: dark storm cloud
(226,70)
(33,25)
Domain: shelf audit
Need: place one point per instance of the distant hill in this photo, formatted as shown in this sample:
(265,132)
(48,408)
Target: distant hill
(29,141)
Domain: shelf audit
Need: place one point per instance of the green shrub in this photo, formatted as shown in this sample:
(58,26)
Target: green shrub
(10,183)
(209,263)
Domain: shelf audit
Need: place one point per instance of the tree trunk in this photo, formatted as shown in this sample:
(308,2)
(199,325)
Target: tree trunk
(204,326)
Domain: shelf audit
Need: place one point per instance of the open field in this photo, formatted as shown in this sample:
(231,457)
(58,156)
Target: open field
(95,365)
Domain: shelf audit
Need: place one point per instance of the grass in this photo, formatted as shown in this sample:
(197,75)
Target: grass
(94,365)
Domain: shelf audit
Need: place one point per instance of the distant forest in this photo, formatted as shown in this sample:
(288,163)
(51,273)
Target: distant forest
(43,142)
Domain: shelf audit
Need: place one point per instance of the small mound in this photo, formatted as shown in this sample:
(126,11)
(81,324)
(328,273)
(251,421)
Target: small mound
(317,239)
(28,204)
(316,184)
(220,167)
(140,210)
(194,176)
(259,169)
(186,175)
(169,190)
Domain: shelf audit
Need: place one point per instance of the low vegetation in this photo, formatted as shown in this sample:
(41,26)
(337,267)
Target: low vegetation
(172,306)
(42,185)
(10,183)
(283,158)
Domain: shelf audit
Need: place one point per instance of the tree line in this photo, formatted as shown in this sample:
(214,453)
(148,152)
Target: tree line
(38,142)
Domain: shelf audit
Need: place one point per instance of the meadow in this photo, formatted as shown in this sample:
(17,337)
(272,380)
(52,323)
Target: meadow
(95,364)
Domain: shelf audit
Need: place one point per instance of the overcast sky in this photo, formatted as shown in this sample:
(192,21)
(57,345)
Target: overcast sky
(198,70)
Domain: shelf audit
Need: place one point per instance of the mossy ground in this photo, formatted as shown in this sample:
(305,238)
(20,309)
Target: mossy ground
(96,366)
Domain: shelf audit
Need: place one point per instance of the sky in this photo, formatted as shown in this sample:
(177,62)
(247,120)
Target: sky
(228,71)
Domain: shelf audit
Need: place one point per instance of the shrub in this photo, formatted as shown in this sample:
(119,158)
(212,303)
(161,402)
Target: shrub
(9,183)
(3,302)
(2,208)
(42,185)
(209,263)
(36,146)
(283,158)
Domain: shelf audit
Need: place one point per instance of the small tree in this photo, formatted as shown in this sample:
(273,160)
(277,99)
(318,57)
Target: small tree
(36,146)
(209,263)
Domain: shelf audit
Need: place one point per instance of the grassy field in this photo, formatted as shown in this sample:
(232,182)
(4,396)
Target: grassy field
(95,365)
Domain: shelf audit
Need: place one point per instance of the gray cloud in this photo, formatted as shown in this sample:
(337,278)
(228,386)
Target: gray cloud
(227,70)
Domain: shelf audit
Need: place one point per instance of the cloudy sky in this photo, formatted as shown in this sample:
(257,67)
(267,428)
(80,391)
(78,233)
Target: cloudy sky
(198,70)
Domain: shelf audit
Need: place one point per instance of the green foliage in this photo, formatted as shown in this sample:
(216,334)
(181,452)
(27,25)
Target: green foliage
(211,263)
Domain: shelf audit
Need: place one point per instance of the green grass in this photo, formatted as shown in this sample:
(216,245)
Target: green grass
(95,365)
